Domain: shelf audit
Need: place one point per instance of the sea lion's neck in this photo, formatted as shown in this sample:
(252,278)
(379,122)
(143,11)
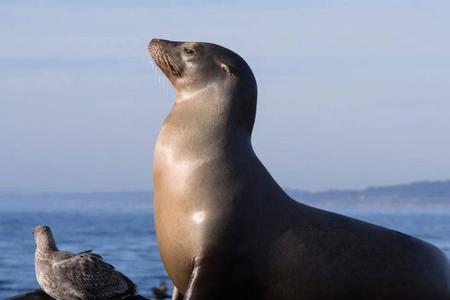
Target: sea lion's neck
(197,137)
(188,135)
(203,119)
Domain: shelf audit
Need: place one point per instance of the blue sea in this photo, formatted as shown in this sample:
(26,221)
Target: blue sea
(127,240)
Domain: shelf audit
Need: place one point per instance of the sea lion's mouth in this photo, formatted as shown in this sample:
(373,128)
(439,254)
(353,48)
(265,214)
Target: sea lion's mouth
(162,59)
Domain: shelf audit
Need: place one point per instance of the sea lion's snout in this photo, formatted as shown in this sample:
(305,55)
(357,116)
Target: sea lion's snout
(158,45)
(164,56)
(153,47)
(153,43)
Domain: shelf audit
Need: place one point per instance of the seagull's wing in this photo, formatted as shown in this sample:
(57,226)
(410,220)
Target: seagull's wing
(87,276)
(89,251)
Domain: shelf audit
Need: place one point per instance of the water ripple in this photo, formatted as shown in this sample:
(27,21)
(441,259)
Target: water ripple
(128,242)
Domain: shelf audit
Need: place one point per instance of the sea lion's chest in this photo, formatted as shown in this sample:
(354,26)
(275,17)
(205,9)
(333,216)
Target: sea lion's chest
(194,195)
(182,203)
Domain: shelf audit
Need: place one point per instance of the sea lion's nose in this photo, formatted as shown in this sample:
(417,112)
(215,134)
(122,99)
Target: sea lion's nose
(157,41)
(153,43)
(161,43)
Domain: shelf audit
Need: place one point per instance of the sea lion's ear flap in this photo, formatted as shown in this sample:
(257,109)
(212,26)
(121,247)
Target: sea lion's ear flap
(226,69)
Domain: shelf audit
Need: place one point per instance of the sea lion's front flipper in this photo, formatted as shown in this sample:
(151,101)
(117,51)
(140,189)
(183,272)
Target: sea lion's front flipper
(176,294)
(205,282)
(195,290)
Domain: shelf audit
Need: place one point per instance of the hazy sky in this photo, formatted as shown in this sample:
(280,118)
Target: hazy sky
(351,93)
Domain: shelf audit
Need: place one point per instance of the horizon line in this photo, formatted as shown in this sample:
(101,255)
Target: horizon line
(11,191)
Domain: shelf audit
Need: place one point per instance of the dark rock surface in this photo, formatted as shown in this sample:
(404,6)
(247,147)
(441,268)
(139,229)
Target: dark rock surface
(40,295)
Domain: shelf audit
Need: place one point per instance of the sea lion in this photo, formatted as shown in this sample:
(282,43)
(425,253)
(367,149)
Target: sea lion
(227,230)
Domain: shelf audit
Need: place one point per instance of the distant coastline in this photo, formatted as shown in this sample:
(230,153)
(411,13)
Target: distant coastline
(421,195)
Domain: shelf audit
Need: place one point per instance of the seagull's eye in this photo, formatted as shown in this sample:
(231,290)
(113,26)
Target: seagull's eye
(189,51)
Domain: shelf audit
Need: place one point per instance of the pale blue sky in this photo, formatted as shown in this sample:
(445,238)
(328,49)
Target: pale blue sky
(351,93)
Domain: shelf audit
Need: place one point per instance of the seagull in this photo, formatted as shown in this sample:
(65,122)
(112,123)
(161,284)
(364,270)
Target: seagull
(83,276)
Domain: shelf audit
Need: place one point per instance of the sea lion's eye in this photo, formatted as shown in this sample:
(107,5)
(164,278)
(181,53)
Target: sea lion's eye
(189,51)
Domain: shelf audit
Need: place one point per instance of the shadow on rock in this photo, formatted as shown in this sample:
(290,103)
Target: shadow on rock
(40,295)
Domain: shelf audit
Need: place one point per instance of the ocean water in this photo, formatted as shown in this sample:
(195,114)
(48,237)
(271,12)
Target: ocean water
(127,240)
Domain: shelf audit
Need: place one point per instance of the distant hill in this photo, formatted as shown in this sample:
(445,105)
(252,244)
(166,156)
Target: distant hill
(417,195)
(433,194)
(415,189)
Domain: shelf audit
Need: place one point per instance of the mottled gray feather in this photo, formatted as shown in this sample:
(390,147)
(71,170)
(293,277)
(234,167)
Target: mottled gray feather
(83,276)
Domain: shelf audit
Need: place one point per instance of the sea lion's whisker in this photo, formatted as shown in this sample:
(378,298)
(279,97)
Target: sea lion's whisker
(173,66)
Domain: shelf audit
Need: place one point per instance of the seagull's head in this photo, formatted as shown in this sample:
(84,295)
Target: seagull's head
(44,238)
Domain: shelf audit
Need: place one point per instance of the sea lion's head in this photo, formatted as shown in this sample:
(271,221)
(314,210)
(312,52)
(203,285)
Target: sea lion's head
(194,68)
(44,238)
